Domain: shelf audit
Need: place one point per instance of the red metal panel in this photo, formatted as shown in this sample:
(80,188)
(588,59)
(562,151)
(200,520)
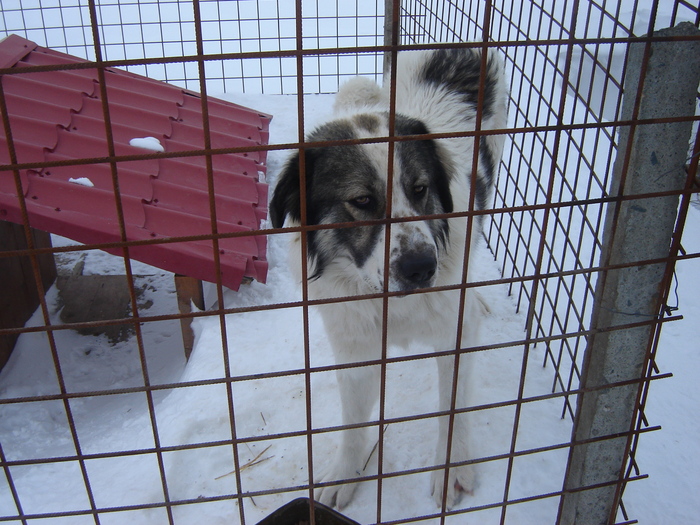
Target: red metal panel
(143,117)
(225,167)
(13,49)
(224,119)
(134,180)
(60,194)
(196,200)
(20,105)
(31,138)
(59,116)
(42,56)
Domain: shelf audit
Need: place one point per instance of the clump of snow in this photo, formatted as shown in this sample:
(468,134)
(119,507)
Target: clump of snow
(150,143)
(83,181)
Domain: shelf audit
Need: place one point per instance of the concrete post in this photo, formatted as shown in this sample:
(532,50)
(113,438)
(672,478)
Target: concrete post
(635,231)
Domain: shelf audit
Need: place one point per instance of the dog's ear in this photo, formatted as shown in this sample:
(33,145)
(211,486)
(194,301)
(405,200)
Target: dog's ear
(286,196)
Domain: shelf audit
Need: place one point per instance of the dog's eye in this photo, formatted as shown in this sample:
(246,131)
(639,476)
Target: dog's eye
(420,190)
(363,202)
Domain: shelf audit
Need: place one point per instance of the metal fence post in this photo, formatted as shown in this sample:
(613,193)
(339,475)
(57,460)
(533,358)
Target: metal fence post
(389,28)
(650,160)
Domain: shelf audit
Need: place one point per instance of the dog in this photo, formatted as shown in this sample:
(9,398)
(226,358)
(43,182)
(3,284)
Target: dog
(437,92)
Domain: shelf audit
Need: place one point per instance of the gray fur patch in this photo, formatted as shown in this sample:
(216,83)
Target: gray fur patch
(367,122)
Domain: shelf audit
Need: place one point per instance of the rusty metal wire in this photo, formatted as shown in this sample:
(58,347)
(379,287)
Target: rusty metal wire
(544,228)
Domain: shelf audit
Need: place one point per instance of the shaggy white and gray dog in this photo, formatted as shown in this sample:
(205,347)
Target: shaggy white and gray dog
(436,92)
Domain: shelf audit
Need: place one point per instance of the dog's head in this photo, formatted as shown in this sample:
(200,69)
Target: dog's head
(348,184)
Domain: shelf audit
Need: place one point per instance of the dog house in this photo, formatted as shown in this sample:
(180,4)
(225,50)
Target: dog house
(581,243)
(56,116)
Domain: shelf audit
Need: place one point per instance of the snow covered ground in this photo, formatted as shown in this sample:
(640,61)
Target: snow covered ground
(273,341)
(268,341)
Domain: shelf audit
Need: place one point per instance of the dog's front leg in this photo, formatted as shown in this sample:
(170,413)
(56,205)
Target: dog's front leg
(460,478)
(359,390)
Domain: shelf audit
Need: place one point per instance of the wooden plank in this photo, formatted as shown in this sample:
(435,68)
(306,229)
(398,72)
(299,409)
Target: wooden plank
(19,294)
(189,291)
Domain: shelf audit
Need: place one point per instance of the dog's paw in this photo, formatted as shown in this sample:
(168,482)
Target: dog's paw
(338,496)
(462,480)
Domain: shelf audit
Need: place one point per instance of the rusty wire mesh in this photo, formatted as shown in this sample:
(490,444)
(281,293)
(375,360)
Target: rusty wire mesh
(544,230)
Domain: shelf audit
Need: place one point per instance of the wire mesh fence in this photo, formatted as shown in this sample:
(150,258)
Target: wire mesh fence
(122,428)
(249,46)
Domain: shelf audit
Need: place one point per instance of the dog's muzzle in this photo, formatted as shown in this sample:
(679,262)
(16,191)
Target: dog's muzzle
(415,269)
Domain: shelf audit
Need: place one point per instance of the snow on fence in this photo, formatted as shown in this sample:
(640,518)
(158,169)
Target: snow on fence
(98,431)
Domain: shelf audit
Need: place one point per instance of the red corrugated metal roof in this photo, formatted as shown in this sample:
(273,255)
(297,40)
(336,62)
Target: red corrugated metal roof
(58,116)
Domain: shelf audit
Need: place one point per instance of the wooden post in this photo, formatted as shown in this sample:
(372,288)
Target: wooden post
(19,296)
(189,291)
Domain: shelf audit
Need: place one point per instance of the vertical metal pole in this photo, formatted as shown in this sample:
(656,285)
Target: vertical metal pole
(388,35)
(650,160)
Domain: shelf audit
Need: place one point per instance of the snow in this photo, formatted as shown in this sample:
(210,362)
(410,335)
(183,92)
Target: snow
(149,143)
(670,455)
(199,414)
(83,181)
(272,341)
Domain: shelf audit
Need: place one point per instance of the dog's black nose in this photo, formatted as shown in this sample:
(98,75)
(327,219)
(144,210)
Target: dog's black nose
(417,269)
